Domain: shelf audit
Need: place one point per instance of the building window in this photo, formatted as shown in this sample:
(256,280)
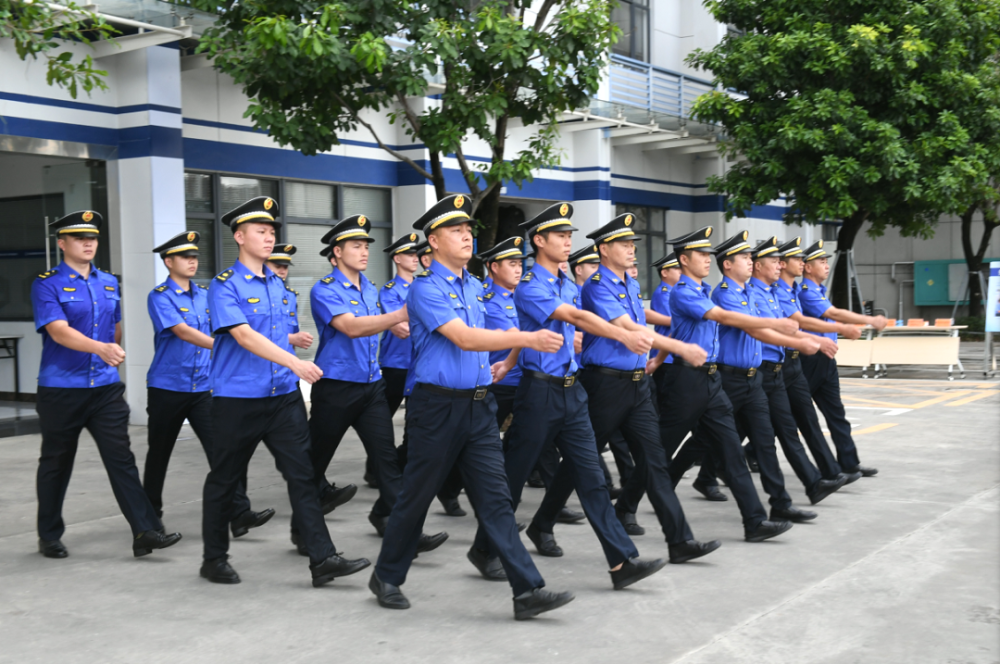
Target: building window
(651,226)
(632,16)
(830,232)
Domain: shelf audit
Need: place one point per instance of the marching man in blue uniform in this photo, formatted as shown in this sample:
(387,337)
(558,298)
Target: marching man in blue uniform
(821,370)
(177,384)
(551,407)
(451,415)
(745,357)
(279,262)
(351,393)
(619,391)
(255,396)
(77,311)
(692,397)
(796,386)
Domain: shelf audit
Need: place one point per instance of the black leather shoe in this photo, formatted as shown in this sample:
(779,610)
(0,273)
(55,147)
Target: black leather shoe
(866,471)
(333,497)
(545,543)
(380,522)
(566,515)
(335,566)
(490,568)
(242,524)
(691,549)
(144,544)
(52,549)
(539,601)
(614,492)
(766,530)
(299,546)
(219,571)
(388,595)
(710,491)
(850,478)
(627,519)
(370,480)
(535,480)
(635,570)
(791,513)
(824,488)
(430,542)
(452,507)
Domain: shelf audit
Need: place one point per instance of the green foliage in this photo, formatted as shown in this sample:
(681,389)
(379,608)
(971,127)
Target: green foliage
(886,111)
(313,68)
(38,30)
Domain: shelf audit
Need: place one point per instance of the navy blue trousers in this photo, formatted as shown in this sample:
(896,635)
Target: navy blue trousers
(63,412)
(545,414)
(442,431)
(824,385)
(691,398)
(804,412)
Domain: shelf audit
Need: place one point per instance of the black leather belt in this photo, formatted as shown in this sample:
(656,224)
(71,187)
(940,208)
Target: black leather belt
(476,394)
(791,355)
(564,381)
(635,375)
(773,367)
(739,371)
(710,369)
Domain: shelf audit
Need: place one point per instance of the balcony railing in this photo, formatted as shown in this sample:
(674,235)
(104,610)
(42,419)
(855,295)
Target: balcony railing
(658,91)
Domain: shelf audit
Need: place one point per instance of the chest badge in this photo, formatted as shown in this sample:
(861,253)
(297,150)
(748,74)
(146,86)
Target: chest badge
(69,290)
(253,300)
(185,310)
(354,301)
(453,296)
(110,288)
(621,295)
(284,301)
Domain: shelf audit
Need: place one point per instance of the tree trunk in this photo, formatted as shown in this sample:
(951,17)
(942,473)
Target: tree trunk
(974,258)
(845,242)
(438,181)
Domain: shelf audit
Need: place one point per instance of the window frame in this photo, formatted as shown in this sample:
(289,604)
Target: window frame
(648,236)
(634,7)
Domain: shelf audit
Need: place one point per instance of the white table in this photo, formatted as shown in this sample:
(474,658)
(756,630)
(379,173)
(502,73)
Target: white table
(8,344)
(915,345)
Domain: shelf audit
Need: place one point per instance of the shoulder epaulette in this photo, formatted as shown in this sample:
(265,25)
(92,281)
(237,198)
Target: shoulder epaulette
(724,285)
(160,289)
(803,287)
(681,283)
(528,277)
(290,289)
(489,296)
(327,280)
(664,289)
(425,273)
(225,275)
(485,285)
(389,284)
(201,286)
(46,275)
(596,277)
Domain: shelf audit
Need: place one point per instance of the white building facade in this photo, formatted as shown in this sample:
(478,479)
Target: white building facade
(166,149)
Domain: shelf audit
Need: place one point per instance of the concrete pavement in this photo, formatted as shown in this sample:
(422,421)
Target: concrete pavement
(898,568)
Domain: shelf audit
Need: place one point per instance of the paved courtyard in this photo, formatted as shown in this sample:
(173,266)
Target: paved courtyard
(902,567)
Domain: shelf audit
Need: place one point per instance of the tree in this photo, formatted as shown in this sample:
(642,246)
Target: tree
(38,29)
(862,111)
(312,68)
(974,252)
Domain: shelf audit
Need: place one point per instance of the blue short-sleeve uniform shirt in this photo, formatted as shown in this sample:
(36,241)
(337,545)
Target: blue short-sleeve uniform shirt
(91,306)
(437,297)
(578,303)
(788,298)
(812,296)
(339,356)
(689,302)
(660,303)
(240,297)
(610,297)
(177,365)
(395,352)
(766,299)
(501,314)
(538,295)
(291,304)
(736,347)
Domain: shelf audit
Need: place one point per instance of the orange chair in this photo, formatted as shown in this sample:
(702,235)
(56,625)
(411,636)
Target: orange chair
(944,322)
(916,322)
(890,322)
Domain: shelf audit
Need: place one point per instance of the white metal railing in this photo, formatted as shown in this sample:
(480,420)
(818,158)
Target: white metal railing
(657,90)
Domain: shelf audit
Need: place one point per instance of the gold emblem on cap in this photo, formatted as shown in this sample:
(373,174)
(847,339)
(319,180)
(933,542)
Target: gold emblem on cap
(268,203)
(563,209)
(413,237)
(745,234)
(820,245)
(288,248)
(361,220)
(708,231)
(798,241)
(628,220)
(88,215)
(517,240)
(191,236)
(459,201)
(774,240)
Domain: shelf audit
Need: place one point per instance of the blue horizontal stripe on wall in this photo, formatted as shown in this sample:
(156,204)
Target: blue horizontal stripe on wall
(82,106)
(618,176)
(150,141)
(275,162)
(58,131)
